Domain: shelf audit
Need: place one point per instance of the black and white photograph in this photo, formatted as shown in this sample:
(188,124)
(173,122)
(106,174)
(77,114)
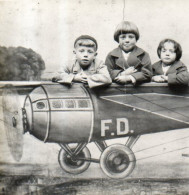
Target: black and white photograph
(94,97)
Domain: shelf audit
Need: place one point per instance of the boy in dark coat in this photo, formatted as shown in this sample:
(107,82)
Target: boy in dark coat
(170,69)
(128,63)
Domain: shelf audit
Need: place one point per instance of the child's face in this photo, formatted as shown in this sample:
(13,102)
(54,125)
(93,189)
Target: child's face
(168,54)
(85,55)
(127,41)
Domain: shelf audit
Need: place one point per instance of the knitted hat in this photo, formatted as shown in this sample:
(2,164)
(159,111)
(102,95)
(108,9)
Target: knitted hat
(86,37)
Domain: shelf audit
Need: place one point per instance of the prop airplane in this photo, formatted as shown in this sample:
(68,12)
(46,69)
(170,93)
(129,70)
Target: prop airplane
(63,114)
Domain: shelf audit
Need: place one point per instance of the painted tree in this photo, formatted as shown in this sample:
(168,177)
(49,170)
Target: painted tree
(20,64)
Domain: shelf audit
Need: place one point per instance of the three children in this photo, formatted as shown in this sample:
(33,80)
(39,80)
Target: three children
(126,64)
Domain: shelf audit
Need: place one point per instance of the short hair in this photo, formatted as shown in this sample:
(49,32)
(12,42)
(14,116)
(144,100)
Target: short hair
(86,40)
(177,47)
(126,27)
(86,43)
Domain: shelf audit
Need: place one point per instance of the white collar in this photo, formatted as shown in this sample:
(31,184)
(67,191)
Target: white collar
(165,68)
(126,55)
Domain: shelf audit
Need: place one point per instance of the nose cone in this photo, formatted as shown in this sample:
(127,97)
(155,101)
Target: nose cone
(27,115)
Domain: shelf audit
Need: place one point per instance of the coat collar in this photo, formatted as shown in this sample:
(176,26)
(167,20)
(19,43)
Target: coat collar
(77,68)
(133,59)
(173,67)
(118,52)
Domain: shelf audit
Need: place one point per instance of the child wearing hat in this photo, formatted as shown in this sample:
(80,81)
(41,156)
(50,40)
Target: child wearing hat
(86,68)
(128,63)
(170,69)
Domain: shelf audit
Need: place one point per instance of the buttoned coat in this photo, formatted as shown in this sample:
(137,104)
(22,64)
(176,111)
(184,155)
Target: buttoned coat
(138,58)
(97,72)
(177,73)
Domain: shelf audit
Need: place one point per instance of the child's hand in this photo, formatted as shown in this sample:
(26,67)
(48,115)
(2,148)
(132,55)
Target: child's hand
(129,71)
(80,77)
(123,79)
(165,77)
(56,79)
(158,79)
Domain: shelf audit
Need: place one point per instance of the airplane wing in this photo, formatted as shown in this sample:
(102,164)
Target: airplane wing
(22,87)
(23,83)
(167,105)
(149,108)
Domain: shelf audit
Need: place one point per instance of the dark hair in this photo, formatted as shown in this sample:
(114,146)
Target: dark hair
(126,27)
(86,43)
(85,38)
(177,47)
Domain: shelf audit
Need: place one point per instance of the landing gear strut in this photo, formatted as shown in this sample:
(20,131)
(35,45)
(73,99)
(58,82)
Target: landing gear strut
(72,159)
(118,161)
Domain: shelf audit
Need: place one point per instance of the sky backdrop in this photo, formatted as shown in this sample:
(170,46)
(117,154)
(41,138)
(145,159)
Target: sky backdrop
(50,27)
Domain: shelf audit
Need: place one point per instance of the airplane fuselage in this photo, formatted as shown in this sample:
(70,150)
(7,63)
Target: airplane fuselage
(64,114)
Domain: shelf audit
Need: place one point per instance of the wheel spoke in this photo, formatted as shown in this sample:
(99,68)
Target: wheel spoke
(117,161)
(74,164)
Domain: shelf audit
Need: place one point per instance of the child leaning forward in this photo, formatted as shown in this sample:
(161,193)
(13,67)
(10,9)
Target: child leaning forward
(128,63)
(86,68)
(170,69)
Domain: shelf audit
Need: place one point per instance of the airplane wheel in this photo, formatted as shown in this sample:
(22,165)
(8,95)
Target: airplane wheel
(72,165)
(117,161)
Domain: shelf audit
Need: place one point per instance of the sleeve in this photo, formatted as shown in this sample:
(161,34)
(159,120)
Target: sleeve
(65,74)
(154,73)
(180,77)
(101,77)
(112,67)
(145,74)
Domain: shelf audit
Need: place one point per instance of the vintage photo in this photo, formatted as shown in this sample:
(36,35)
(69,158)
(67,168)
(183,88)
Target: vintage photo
(94,97)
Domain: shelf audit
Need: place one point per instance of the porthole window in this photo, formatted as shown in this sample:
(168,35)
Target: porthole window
(83,103)
(57,104)
(69,104)
(40,105)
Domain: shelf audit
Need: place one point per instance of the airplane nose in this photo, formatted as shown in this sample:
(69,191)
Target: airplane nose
(27,115)
(48,111)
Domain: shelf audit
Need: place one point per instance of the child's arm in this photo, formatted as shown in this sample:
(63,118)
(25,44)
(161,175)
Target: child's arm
(80,77)
(64,75)
(128,71)
(114,72)
(180,77)
(145,73)
(125,77)
(158,76)
(159,79)
(101,77)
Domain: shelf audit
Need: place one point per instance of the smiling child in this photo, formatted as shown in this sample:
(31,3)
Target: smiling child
(128,63)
